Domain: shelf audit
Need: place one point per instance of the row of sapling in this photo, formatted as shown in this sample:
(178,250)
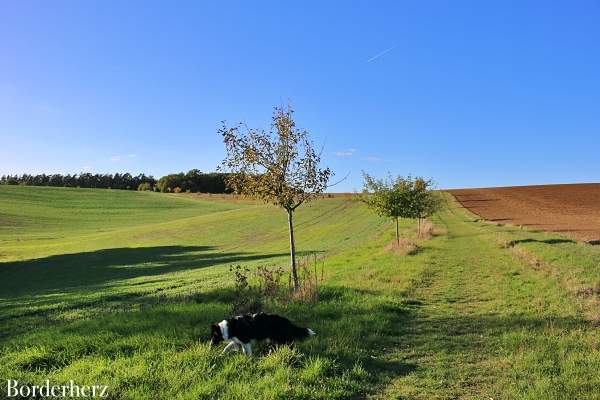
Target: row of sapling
(279,166)
(401,197)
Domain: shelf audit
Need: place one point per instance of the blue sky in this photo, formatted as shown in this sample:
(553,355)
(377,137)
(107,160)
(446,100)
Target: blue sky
(468,93)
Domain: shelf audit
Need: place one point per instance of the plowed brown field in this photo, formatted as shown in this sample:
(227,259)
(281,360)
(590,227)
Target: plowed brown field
(572,209)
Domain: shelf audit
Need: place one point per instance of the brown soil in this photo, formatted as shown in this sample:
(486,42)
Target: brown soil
(573,210)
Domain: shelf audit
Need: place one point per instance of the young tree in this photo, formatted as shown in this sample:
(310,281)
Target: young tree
(279,166)
(400,197)
(425,201)
(387,197)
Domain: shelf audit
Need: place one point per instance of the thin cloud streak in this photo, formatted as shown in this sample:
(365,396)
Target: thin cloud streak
(376,56)
(345,153)
(118,157)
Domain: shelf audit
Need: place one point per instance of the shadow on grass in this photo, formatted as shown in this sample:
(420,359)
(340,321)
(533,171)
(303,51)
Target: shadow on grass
(68,271)
(479,334)
(513,243)
(352,326)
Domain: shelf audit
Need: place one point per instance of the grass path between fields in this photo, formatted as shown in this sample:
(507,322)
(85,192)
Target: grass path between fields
(487,325)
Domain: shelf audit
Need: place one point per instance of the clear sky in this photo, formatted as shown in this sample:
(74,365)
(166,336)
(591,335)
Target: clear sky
(478,93)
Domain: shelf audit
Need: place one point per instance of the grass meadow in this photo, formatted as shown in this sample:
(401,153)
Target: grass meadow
(118,288)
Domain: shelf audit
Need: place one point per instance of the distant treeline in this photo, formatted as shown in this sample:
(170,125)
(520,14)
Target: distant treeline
(192,181)
(84,180)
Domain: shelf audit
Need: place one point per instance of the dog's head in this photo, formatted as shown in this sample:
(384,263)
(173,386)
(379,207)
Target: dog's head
(216,336)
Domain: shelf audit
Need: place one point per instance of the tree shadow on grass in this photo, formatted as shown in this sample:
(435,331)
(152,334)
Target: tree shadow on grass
(91,269)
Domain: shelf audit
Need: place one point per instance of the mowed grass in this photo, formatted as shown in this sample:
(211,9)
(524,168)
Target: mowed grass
(127,301)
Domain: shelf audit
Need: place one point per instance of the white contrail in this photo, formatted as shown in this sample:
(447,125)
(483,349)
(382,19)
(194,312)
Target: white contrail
(375,57)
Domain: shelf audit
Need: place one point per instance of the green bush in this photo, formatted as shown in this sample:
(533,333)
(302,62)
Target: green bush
(144,187)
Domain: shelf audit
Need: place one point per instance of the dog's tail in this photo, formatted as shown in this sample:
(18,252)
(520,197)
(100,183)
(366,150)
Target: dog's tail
(302,333)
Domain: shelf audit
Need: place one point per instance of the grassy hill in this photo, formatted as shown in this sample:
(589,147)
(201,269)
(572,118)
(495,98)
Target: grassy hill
(118,288)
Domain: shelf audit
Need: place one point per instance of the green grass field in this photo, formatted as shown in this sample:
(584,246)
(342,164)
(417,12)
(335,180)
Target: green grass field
(118,288)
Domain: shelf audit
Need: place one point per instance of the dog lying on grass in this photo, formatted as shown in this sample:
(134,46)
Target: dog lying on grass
(241,330)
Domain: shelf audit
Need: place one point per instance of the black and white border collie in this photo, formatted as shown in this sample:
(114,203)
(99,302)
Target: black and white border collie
(240,330)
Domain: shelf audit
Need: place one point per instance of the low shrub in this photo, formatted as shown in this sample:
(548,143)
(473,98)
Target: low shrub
(254,289)
(246,298)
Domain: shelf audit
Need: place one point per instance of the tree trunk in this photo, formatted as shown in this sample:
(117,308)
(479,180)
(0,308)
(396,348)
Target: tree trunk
(397,233)
(419,231)
(293,252)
